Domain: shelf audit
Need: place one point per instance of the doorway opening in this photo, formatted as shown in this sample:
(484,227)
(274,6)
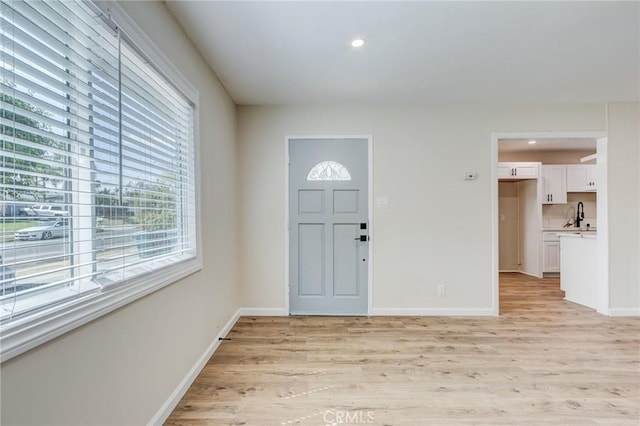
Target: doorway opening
(550,217)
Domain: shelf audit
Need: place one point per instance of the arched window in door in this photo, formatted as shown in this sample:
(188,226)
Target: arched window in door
(328,170)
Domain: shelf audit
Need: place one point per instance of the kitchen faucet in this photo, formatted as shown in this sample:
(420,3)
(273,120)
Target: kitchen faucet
(579,214)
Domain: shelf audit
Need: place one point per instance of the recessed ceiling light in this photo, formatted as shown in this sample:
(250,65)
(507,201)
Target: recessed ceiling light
(358,42)
(532,142)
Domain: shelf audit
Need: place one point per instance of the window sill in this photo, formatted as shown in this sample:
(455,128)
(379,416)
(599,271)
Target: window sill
(22,335)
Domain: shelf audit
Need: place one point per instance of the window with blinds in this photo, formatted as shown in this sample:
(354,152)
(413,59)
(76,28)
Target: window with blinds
(97,167)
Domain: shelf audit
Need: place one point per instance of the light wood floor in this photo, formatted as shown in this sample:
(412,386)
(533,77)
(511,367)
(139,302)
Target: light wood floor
(543,361)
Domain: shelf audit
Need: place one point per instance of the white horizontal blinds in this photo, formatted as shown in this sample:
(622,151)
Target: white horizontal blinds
(55,61)
(92,128)
(156,172)
(156,164)
(52,54)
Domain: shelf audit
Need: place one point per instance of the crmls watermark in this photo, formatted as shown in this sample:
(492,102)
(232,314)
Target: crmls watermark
(348,417)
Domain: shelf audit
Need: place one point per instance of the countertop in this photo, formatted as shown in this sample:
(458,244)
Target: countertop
(570,229)
(584,234)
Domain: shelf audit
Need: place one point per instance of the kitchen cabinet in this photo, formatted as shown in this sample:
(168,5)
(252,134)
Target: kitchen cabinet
(551,256)
(581,178)
(517,171)
(550,252)
(554,184)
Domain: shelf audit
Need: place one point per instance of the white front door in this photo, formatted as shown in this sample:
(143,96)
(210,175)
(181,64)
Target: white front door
(328,226)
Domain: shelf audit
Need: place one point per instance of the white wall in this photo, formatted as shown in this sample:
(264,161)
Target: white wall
(119,369)
(623,174)
(420,156)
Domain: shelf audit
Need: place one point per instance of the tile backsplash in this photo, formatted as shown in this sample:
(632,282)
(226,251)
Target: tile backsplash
(556,215)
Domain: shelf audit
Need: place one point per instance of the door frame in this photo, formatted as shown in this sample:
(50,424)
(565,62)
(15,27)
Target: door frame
(369,139)
(602,206)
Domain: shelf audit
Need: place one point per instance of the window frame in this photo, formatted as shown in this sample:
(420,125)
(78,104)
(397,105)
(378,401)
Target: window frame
(32,330)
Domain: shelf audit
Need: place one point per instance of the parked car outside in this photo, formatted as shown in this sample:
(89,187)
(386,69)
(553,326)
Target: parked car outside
(48,210)
(44,231)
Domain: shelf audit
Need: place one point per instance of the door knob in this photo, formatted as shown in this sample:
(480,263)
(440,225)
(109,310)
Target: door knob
(361,238)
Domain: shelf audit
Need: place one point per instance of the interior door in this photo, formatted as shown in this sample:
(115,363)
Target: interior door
(328,226)
(508,226)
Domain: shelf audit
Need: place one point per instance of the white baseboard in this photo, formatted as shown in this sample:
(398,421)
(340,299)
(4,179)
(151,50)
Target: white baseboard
(263,312)
(435,312)
(508,270)
(624,312)
(170,404)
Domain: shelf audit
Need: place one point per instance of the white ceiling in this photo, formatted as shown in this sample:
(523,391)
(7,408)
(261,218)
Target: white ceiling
(268,52)
(568,144)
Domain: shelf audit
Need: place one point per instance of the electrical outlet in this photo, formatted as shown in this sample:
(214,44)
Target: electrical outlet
(441,290)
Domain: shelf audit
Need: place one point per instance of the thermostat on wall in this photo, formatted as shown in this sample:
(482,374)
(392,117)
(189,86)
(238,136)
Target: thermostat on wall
(470,176)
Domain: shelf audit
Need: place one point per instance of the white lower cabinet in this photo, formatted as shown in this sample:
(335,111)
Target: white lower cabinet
(551,249)
(551,256)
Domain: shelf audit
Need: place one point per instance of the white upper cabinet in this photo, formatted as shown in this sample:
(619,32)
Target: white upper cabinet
(518,170)
(581,178)
(554,184)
